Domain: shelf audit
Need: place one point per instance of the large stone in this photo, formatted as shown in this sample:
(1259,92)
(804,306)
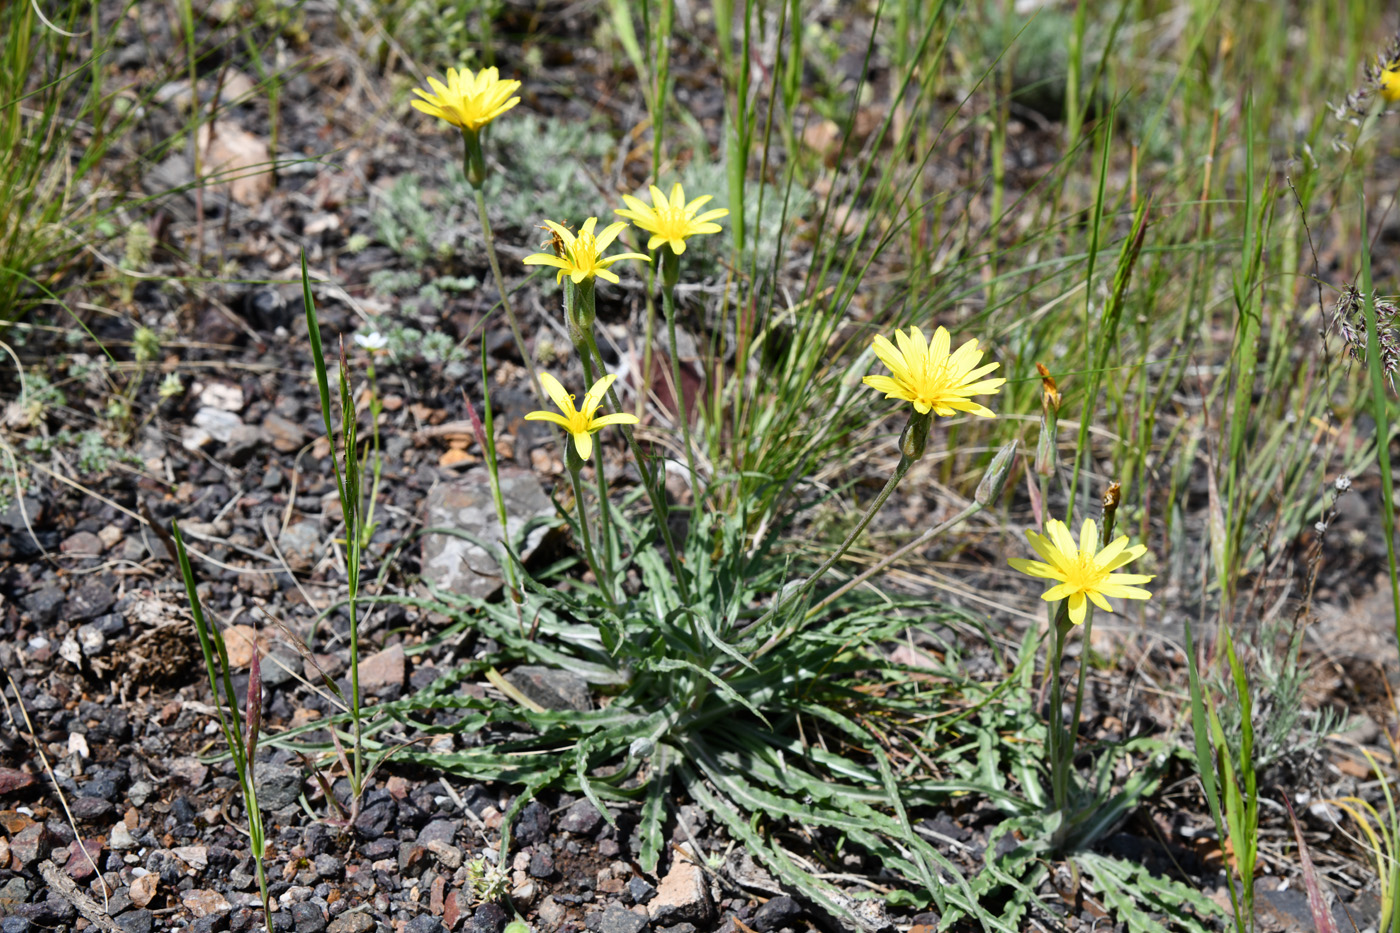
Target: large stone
(217,423)
(278,785)
(382,673)
(286,435)
(683,895)
(551,688)
(466,505)
(299,544)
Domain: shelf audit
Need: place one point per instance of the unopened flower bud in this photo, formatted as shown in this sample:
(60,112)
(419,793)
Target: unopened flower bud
(994,480)
(1111,497)
(580,304)
(914,438)
(1050,393)
(670,268)
(474,160)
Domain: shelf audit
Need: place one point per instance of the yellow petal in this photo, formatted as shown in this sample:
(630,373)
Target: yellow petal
(1076,608)
(1035,568)
(1088,537)
(555,390)
(602,421)
(609,234)
(594,398)
(583,442)
(548,416)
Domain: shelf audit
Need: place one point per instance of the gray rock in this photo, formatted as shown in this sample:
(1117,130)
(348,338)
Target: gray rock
(582,818)
(43,604)
(640,889)
(13,518)
(444,831)
(13,893)
(423,923)
(217,423)
(278,785)
(89,600)
(488,918)
(532,826)
(244,441)
(375,820)
(552,688)
(308,918)
(466,505)
(14,925)
(136,921)
(618,919)
(275,675)
(541,863)
(779,912)
(299,544)
(90,808)
(285,435)
(352,921)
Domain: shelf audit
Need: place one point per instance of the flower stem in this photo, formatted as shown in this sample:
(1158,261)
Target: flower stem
(505,295)
(668,295)
(655,494)
(574,463)
(905,462)
(605,533)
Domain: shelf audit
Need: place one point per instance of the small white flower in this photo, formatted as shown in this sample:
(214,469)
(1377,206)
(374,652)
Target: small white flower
(373,341)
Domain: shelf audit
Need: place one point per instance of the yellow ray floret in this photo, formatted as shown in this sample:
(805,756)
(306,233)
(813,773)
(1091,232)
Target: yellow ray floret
(583,253)
(581,423)
(468,100)
(1082,573)
(930,377)
(671,220)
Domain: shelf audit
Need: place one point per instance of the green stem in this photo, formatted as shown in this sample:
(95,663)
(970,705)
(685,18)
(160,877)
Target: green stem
(668,295)
(911,450)
(604,515)
(574,462)
(655,495)
(1061,751)
(505,295)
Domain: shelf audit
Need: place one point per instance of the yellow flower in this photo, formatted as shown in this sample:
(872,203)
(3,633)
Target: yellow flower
(579,422)
(468,100)
(583,257)
(932,378)
(1081,572)
(671,221)
(1390,84)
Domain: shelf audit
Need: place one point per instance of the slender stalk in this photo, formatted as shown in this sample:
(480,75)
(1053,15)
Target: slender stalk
(880,565)
(655,494)
(668,297)
(505,295)
(574,463)
(604,514)
(911,451)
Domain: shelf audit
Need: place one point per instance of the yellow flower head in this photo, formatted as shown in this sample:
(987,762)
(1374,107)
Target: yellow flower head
(930,377)
(1390,84)
(468,100)
(1080,571)
(671,221)
(583,254)
(579,422)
